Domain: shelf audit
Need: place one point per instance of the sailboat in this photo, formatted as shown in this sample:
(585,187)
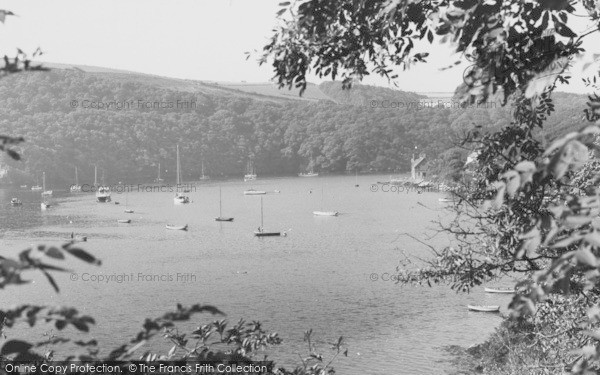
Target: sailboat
(37,186)
(250,173)
(44,191)
(356,179)
(324,213)
(261,232)
(158,179)
(75,188)
(127,210)
(221,218)
(103,193)
(308,174)
(44,204)
(179,197)
(203,177)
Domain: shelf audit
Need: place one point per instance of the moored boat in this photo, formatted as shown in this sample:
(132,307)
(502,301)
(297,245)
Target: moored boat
(124,221)
(176,227)
(251,173)
(78,238)
(45,193)
(179,198)
(261,232)
(308,174)
(490,308)
(75,188)
(499,291)
(326,213)
(220,217)
(44,205)
(16,202)
(128,211)
(103,194)
(254,192)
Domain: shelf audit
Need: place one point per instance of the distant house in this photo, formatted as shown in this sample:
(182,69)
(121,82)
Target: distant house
(418,171)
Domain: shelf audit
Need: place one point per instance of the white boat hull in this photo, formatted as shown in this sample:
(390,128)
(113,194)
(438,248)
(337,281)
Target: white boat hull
(325,213)
(492,308)
(44,206)
(177,227)
(181,199)
(254,192)
(499,291)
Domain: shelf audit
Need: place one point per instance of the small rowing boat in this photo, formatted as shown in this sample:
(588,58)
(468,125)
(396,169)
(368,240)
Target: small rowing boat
(176,227)
(325,213)
(128,211)
(124,221)
(491,308)
(499,291)
(254,192)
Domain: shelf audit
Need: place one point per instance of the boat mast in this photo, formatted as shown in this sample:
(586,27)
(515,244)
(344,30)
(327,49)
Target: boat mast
(76,177)
(44,181)
(95,175)
(322,193)
(158,179)
(220,205)
(261,213)
(178,177)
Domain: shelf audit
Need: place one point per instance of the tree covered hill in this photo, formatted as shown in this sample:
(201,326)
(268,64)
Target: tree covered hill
(225,126)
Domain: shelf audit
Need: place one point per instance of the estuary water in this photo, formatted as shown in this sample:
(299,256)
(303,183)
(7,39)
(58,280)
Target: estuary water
(331,274)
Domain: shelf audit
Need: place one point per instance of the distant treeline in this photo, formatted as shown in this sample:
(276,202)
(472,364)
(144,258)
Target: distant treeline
(227,130)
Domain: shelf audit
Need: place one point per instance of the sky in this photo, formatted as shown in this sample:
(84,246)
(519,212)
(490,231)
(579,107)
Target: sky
(192,39)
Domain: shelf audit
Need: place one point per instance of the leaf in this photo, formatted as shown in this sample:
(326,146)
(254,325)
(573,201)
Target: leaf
(80,325)
(586,257)
(513,182)
(53,252)
(52,282)
(15,346)
(83,255)
(593,239)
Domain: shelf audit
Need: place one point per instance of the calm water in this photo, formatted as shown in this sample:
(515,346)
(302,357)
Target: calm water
(319,276)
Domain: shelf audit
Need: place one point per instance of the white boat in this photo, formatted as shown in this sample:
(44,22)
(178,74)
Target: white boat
(44,205)
(124,221)
(491,308)
(221,218)
(324,213)
(103,192)
(499,291)
(128,211)
(36,188)
(261,232)
(308,174)
(179,198)
(251,173)
(16,202)
(445,200)
(78,238)
(45,192)
(176,227)
(23,186)
(254,192)
(76,188)
(203,177)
